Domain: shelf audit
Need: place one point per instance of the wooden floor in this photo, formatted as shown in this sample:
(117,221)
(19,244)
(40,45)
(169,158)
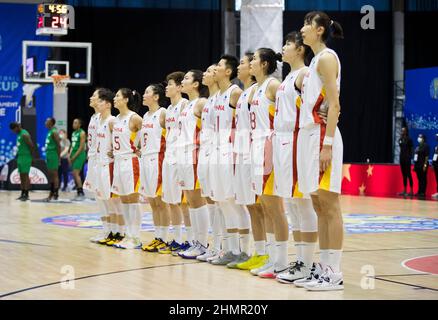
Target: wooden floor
(33,255)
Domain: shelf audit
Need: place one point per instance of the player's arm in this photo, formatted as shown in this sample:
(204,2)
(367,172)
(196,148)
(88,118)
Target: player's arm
(135,126)
(272,88)
(28,140)
(300,78)
(57,140)
(163,119)
(111,126)
(235,94)
(82,138)
(197,110)
(328,69)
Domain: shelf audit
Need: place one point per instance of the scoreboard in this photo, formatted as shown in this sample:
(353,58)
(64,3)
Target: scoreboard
(54,19)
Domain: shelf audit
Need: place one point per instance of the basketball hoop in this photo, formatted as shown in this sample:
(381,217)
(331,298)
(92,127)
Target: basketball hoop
(59,83)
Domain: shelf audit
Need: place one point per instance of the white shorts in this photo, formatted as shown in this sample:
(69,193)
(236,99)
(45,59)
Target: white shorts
(222,172)
(171,192)
(126,175)
(204,170)
(90,182)
(285,161)
(243,193)
(150,174)
(308,149)
(262,167)
(187,162)
(105,177)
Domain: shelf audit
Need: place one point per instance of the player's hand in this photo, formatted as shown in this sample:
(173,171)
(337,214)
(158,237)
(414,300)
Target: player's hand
(138,153)
(110,154)
(325,158)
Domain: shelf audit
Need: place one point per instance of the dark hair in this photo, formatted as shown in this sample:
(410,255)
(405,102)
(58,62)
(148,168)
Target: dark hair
(176,76)
(268,55)
(423,136)
(297,38)
(332,28)
(250,56)
(14,125)
(106,95)
(197,77)
(81,122)
(231,62)
(52,120)
(134,98)
(158,88)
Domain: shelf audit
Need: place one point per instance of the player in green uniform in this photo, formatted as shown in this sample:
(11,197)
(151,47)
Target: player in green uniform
(25,151)
(78,155)
(53,150)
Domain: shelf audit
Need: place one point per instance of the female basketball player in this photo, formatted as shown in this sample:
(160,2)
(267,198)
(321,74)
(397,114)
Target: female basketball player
(172,192)
(286,125)
(262,112)
(53,150)
(78,156)
(205,151)
(153,145)
(320,148)
(189,125)
(242,173)
(126,164)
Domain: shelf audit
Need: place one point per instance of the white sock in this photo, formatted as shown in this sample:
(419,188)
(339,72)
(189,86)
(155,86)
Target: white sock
(105,226)
(244,243)
(260,247)
(226,242)
(157,232)
(307,250)
(190,237)
(164,233)
(127,217)
(334,260)
(233,242)
(122,229)
(136,219)
(324,258)
(299,249)
(193,220)
(225,235)
(270,249)
(217,228)
(280,255)
(177,233)
(115,227)
(203,221)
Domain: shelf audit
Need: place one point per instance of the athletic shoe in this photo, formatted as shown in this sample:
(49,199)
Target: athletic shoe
(256,261)
(225,259)
(313,278)
(435,196)
(168,248)
(161,245)
(217,256)
(402,194)
(78,198)
(101,236)
(208,254)
(297,270)
(241,258)
(119,239)
(329,281)
(113,240)
(190,247)
(268,264)
(151,247)
(119,244)
(132,243)
(108,238)
(182,247)
(199,250)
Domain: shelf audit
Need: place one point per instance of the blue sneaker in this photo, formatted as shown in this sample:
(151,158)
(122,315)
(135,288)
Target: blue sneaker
(185,247)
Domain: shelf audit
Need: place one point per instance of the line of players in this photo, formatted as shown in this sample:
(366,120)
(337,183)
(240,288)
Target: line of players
(219,149)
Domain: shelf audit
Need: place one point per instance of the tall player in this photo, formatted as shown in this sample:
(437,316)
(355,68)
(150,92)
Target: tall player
(261,118)
(78,156)
(236,217)
(126,163)
(189,125)
(205,150)
(53,151)
(153,145)
(242,173)
(112,218)
(286,126)
(172,193)
(320,148)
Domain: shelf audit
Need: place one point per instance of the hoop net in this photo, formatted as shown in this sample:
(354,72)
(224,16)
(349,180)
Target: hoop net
(59,83)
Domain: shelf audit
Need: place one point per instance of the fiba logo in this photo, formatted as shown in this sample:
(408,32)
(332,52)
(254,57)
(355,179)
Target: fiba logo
(434,88)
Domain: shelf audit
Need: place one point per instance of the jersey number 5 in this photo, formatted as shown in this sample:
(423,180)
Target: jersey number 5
(116,143)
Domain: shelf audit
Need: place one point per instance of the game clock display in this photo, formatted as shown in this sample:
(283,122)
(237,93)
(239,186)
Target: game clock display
(53,19)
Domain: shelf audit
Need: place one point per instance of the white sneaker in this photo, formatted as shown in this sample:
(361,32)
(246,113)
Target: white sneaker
(435,196)
(296,271)
(312,279)
(266,266)
(102,235)
(198,250)
(329,281)
(206,255)
(122,243)
(133,243)
(216,256)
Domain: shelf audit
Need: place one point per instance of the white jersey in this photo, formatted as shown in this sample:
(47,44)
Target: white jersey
(287,104)
(207,121)
(223,117)
(313,92)
(189,126)
(104,141)
(124,140)
(262,112)
(152,135)
(172,114)
(242,138)
(92,130)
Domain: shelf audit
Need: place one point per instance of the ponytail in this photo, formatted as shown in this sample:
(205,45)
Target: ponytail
(134,99)
(159,89)
(332,29)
